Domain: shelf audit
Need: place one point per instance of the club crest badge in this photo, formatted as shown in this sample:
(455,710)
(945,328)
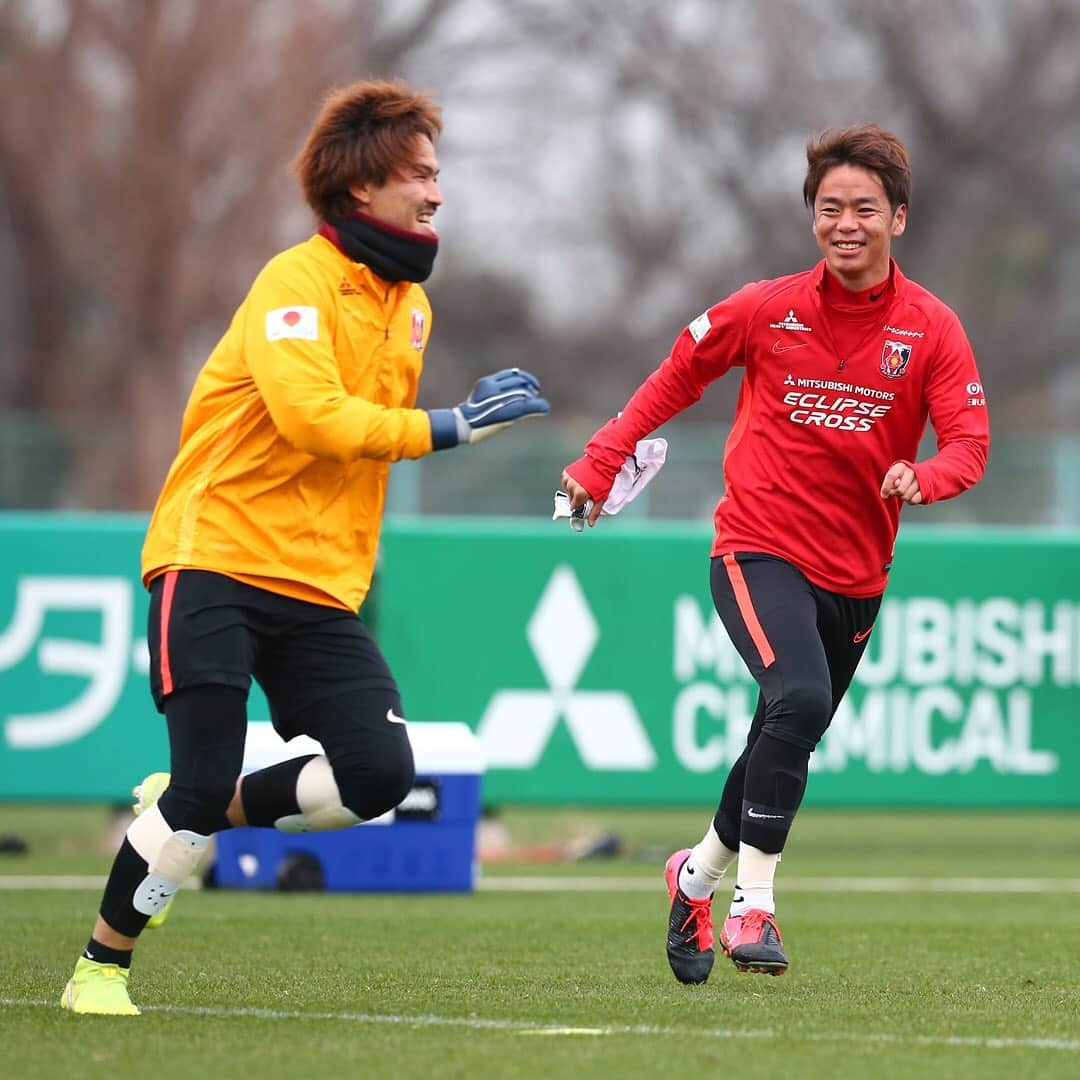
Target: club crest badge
(894,359)
(417,340)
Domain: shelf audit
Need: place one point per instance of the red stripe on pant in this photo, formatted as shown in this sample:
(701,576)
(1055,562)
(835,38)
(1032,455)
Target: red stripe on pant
(163,631)
(746,610)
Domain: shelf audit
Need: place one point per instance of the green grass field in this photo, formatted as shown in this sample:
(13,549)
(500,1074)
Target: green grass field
(933,978)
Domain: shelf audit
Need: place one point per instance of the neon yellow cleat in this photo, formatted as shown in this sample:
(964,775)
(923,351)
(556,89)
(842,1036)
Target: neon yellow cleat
(98,990)
(149,791)
(145,795)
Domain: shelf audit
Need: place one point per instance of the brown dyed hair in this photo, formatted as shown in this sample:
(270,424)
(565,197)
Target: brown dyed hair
(867,146)
(363,133)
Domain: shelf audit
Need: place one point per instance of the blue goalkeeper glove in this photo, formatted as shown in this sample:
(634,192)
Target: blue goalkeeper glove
(494,403)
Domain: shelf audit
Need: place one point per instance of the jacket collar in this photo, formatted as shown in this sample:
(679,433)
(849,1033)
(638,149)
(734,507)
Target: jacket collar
(896,287)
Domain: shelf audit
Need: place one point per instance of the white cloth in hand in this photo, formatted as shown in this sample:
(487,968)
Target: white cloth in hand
(637,471)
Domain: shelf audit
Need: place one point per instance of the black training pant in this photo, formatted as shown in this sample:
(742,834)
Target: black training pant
(802,644)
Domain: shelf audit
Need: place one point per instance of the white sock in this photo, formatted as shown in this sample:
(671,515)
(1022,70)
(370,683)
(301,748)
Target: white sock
(754,888)
(705,866)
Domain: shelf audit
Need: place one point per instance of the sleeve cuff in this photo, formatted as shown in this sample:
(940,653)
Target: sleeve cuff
(585,472)
(444,429)
(926,484)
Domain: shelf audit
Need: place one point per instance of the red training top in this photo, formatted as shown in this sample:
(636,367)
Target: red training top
(837,387)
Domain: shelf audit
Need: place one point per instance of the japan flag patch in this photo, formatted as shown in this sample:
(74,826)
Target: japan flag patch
(292,322)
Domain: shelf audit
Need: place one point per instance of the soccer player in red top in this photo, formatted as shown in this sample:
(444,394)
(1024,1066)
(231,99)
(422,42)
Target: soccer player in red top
(842,366)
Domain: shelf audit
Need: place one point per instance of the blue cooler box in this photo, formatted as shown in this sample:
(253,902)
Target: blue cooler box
(426,844)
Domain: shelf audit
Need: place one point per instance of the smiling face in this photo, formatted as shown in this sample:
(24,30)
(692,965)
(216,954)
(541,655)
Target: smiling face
(854,225)
(409,198)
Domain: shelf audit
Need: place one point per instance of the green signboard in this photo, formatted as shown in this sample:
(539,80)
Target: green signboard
(595,670)
(591,665)
(76,718)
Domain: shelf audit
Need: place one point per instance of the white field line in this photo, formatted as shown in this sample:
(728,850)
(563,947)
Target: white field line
(548,883)
(525,1027)
(56,882)
(839,884)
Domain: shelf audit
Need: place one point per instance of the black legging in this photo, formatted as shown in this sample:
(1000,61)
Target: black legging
(802,644)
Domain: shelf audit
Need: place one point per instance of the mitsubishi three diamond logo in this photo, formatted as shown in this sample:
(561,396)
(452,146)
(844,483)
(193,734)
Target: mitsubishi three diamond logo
(606,729)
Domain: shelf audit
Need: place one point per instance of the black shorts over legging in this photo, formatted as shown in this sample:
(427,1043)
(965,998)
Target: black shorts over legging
(322,673)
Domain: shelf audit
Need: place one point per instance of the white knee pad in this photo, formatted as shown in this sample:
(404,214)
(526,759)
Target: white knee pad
(319,800)
(170,856)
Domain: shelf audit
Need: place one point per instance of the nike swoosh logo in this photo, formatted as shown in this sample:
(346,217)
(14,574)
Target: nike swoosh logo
(862,635)
(778,348)
(874,299)
(88,954)
(394,718)
(773,817)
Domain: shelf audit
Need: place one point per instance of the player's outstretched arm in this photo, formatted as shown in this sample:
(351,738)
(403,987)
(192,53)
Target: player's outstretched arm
(495,402)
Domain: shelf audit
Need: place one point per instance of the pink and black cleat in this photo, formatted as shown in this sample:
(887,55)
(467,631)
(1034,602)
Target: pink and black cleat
(690,931)
(753,942)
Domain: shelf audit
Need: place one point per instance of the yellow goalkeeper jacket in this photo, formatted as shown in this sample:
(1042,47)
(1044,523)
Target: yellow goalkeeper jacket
(288,436)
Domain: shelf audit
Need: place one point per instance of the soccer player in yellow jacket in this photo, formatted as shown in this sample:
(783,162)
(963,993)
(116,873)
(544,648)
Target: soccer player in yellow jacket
(262,544)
